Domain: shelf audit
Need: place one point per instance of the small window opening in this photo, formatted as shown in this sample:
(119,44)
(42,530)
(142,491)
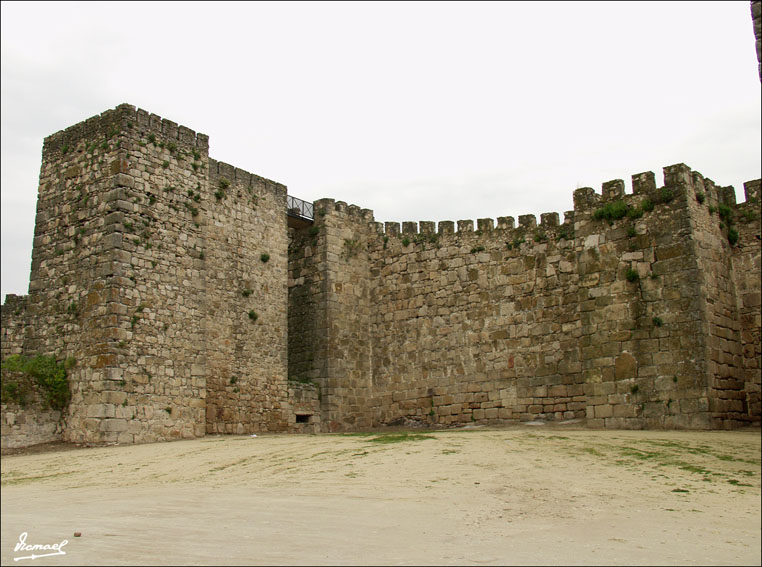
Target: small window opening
(302,419)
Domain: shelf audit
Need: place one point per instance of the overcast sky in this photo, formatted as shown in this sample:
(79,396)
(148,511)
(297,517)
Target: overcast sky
(419,111)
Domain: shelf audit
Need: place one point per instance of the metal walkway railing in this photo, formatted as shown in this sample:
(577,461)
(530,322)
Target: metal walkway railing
(300,209)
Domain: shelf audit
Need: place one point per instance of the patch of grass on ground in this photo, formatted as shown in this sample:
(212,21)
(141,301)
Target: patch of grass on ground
(399,437)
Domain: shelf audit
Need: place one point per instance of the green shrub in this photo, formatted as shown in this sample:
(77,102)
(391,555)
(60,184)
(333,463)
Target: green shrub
(647,206)
(47,373)
(634,213)
(666,195)
(611,211)
(405,241)
(726,214)
(566,232)
(253,315)
(631,275)
(264,257)
(515,243)
(732,236)
(700,197)
(13,392)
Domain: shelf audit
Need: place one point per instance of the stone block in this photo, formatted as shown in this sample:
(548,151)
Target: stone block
(603,411)
(113,425)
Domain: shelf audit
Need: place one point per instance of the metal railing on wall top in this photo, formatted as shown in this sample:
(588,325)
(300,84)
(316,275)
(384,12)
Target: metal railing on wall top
(299,208)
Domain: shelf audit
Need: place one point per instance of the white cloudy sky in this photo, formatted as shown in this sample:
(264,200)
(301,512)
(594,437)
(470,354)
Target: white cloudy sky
(419,111)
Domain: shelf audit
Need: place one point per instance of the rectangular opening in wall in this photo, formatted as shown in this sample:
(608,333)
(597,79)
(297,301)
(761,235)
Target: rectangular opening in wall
(302,419)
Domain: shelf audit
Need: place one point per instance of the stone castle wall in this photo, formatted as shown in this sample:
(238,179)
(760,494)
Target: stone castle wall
(143,249)
(632,322)
(191,307)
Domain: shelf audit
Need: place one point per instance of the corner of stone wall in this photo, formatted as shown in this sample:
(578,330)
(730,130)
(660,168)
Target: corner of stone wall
(330,292)
(747,277)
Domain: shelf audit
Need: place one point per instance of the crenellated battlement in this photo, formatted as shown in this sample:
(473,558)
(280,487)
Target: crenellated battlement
(219,170)
(114,121)
(679,180)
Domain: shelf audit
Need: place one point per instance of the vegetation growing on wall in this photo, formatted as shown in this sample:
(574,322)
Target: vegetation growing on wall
(48,374)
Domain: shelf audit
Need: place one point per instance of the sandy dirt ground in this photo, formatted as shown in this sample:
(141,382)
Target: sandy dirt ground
(519,496)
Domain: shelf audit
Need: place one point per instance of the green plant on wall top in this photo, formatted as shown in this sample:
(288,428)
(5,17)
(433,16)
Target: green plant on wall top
(611,211)
(565,232)
(666,195)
